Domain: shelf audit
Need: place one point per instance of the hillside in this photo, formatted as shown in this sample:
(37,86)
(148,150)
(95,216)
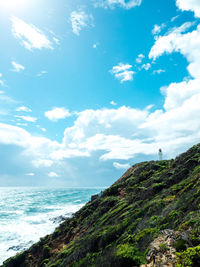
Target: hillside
(150,215)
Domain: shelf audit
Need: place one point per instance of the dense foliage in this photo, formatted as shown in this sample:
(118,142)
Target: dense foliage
(116,228)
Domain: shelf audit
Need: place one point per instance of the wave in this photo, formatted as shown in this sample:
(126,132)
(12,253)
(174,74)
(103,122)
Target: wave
(36,213)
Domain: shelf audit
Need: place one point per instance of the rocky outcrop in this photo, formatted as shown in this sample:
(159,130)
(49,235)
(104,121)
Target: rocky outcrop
(162,251)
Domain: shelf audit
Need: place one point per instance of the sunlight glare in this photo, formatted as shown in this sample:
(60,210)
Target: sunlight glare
(12,4)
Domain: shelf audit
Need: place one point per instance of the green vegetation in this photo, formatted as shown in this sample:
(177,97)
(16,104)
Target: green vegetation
(189,258)
(180,245)
(116,228)
(164,247)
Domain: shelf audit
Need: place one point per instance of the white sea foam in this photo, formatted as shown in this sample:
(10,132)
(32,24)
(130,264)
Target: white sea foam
(28,214)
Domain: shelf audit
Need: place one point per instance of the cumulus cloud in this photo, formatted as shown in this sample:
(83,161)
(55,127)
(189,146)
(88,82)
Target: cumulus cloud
(123,72)
(189,5)
(30,36)
(120,3)
(80,20)
(104,130)
(125,132)
(17,67)
(119,166)
(118,133)
(57,113)
(178,93)
(24,109)
(185,43)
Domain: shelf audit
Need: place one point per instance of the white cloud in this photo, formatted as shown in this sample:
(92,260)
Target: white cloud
(174,18)
(95,45)
(113,103)
(22,124)
(41,128)
(178,93)
(121,3)
(1,81)
(139,58)
(17,67)
(24,109)
(189,5)
(159,71)
(26,118)
(187,44)
(146,66)
(13,135)
(42,162)
(117,134)
(57,114)
(66,153)
(30,174)
(53,174)
(157,28)
(35,150)
(122,72)
(80,20)
(30,36)
(41,73)
(103,130)
(119,166)
(56,40)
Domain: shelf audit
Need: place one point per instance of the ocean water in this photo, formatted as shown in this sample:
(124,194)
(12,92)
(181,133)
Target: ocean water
(27,214)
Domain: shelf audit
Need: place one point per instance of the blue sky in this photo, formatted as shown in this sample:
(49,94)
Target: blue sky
(90,87)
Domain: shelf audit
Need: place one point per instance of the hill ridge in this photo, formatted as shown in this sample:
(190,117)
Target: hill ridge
(121,226)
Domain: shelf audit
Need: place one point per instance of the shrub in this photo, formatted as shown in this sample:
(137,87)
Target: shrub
(129,254)
(44,262)
(189,258)
(180,245)
(46,251)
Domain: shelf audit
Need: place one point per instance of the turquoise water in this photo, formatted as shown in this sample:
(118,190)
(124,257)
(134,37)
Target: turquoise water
(26,214)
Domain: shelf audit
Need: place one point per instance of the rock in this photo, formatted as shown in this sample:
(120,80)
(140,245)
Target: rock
(58,219)
(162,252)
(94,197)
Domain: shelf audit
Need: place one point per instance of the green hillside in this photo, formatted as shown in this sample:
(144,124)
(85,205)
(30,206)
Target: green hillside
(150,215)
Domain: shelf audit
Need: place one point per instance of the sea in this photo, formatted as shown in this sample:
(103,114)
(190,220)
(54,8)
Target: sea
(29,213)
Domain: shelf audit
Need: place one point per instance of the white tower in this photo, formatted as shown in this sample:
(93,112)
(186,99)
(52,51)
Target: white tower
(160,154)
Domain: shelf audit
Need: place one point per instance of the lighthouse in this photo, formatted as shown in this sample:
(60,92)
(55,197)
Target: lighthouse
(160,154)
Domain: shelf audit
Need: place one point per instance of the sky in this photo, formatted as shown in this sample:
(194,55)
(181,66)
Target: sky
(90,87)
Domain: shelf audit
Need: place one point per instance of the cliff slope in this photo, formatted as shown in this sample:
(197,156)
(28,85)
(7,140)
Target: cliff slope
(150,215)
